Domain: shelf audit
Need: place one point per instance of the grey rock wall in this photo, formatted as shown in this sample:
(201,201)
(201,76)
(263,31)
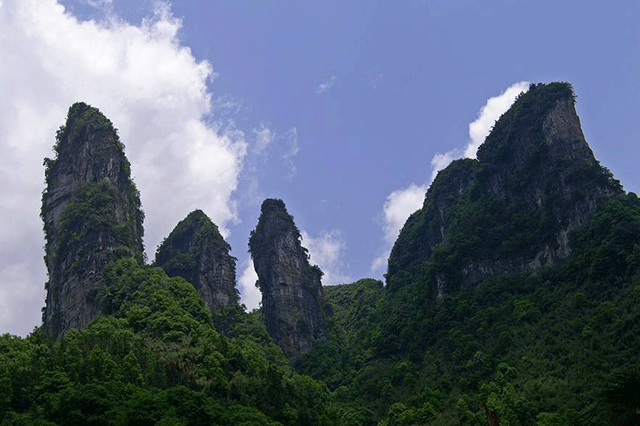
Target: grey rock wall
(292,296)
(91,213)
(196,251)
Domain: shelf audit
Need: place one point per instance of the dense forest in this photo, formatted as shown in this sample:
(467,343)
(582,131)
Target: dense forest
(473,326)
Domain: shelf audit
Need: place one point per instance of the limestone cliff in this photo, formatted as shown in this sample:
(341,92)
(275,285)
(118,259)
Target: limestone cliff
(196,251)
(511,210)
(292,296)
(91,213)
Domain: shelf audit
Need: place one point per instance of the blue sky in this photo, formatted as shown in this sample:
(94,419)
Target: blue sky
(337,107)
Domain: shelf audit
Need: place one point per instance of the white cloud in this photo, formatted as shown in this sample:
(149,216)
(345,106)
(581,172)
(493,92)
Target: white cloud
(440,161)
(480,128)
(323,87)
(327,251)
(264,137)
(400,204)
(380,262)
(249,294)
(489,114)
(153,90)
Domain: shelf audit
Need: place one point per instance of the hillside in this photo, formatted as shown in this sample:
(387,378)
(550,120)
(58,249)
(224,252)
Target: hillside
(512,297)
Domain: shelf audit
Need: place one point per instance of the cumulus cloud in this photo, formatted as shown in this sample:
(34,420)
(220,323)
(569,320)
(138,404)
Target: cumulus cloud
(480,128)
(400,204)
(489,114)
(153,90)
(327,251)
(323,87)
(249,294)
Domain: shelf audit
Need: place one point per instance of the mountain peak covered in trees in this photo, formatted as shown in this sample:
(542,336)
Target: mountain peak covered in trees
(511,210)
(196,251)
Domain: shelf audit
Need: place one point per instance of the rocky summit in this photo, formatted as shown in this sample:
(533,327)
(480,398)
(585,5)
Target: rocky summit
(91,213)
(292,296)
(197,252)
(511,210)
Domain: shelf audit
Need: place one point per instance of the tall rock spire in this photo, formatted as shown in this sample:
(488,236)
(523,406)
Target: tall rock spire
(196,251)
(292,296)
(511,210)
(91,213)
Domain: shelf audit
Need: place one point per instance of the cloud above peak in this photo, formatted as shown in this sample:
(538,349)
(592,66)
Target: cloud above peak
(154,91)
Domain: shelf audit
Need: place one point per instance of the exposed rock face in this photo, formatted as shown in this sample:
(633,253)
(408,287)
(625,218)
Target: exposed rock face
(196,251)
(292,296)
(511,210)
(91,213)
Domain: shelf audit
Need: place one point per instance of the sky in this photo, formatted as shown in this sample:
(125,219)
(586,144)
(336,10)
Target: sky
(346,110)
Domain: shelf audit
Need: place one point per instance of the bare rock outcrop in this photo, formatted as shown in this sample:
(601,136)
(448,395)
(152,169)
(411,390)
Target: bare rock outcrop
(91,213)
(292,296)
(196,251)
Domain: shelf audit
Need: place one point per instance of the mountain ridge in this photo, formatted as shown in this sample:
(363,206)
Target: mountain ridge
(535,178)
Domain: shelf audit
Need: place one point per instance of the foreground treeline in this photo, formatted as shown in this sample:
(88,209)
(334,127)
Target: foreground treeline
(157,359)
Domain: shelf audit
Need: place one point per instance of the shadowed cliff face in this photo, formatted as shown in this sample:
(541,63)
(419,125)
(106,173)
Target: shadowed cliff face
(292,296)
(91,213)
(512,209)
(196,251)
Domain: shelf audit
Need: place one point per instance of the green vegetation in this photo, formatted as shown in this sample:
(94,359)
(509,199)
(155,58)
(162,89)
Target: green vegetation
(155,359)
(507,206)
(108,210)
(282,222)
(556,347)
(275,220)
(85,120)
(90,216)
(534,348)
(179,253)
(526,115)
